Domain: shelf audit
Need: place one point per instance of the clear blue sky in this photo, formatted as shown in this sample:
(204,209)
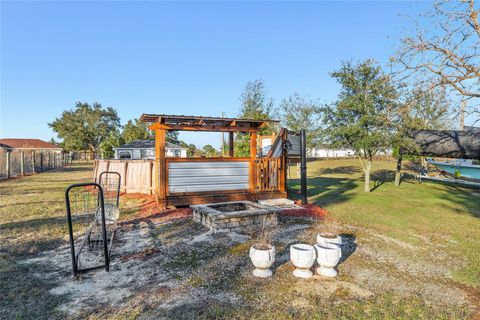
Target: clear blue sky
(180,58)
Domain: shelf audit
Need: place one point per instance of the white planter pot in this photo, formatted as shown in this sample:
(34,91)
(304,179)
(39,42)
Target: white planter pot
(328,256)
(329,238)
(262,260)
(303,257)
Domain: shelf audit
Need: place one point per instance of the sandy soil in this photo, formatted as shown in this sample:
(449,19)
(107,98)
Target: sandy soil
(176,267)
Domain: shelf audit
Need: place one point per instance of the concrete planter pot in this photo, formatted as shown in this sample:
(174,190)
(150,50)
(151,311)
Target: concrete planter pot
(328,256)
(262,259)
(328,237)
(303,257)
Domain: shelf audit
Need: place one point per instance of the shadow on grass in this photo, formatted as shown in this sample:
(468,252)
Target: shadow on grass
(348,246)
(47,202)
(12,191)
(338,170)
(466,198)
(379,177)
(325,191)
(41,222)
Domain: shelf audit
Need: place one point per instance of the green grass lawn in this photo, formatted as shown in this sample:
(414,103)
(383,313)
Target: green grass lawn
(412,212)
(416,251)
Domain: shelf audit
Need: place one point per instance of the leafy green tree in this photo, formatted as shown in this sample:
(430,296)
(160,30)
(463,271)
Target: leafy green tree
(85,126)
(423,109)
(191,148)
(209,151)
(135,130)
(360,119)
(298,112)
(198,152)
(113,140)
(256,106)
(172,137)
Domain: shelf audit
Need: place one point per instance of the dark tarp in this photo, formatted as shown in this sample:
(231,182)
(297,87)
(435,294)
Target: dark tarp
(448,143)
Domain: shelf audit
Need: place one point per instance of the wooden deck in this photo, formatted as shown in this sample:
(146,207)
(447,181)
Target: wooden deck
(188,199)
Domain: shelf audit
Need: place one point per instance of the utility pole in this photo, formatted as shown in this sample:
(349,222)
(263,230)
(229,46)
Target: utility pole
(303,166)
(462,115)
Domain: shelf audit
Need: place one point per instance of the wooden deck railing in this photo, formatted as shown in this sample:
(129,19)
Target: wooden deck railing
(268,174)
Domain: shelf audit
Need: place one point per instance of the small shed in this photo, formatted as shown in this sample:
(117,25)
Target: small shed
(28,145)
(145,150)
(26,156)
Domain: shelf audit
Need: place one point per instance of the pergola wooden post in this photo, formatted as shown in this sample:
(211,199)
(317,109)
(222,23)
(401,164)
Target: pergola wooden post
(253,157)
(160,166)
(231,144)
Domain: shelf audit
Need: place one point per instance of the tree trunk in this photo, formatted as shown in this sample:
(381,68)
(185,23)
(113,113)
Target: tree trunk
(423,162)
(367,170)
(398,172)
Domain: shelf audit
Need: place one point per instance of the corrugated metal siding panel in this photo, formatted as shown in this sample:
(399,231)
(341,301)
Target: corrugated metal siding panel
(207,176)
(207,164)
(201,171)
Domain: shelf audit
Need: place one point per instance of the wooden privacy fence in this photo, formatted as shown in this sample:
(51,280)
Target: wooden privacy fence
(136,175)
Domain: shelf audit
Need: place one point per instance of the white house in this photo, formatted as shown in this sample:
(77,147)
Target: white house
(329,152)
(145,149)
(325,151)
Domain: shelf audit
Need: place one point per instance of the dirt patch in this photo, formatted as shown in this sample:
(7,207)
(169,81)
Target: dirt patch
(140,255)
(176,268)
(142,260)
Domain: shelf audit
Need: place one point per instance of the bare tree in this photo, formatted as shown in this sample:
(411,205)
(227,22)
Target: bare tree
(448,53)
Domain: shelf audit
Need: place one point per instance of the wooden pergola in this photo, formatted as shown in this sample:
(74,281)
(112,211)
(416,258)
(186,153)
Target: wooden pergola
(266,175)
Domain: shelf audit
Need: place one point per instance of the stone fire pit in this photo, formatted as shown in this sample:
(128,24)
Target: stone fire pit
(238,216)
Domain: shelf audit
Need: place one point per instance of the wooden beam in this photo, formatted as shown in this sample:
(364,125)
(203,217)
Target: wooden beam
(263,125)
(208,159)
(231,144)
(160,165)
(210,128)
(154,126)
